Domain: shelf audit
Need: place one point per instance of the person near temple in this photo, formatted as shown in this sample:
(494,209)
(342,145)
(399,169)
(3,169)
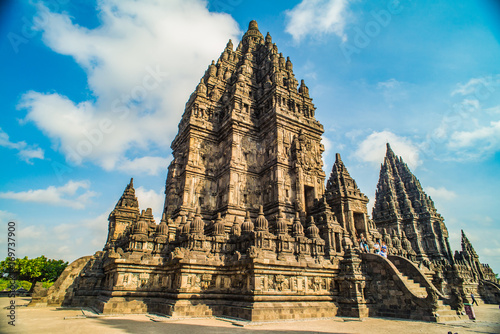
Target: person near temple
(363,244)
(383,252)
(376,247)
(473,299)
(383,249)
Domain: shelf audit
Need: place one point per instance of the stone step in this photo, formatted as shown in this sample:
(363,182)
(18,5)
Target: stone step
(445,314)
(414,287)
(455,317)
(446,318)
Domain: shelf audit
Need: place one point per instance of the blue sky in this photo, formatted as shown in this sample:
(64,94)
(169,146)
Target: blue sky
(92,92)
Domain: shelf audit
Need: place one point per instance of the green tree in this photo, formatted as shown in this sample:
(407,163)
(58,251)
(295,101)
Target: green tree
(39,269)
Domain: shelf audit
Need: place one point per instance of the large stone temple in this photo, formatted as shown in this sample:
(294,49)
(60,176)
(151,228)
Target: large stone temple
(251,230)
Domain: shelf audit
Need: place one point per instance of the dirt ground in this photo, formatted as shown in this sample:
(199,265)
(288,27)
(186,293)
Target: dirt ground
(75,321)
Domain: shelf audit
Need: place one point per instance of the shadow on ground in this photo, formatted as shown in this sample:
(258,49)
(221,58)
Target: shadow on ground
(133,326)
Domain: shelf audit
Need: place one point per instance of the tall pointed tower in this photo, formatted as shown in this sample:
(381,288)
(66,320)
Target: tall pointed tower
(347,201)
(469,258)
(248,137)
(401,205)
(124,214)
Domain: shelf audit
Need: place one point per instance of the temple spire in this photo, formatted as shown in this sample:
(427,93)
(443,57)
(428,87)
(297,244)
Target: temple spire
(467,246)
(255,75)
(253,25)
(124,214)
(253,32)
(400,202)
(390,153)
(128,198)
(341,189)
(338,159)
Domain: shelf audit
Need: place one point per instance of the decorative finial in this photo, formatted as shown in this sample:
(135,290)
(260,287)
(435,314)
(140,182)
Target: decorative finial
(337,157)
(389,149)
(253,25)
(289,65)
(268,38)
(261,210)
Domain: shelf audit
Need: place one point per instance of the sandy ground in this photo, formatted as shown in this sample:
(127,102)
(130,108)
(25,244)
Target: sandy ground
(74,321)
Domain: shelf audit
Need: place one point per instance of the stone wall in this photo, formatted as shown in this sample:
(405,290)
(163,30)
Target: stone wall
(251,289)
(389,296)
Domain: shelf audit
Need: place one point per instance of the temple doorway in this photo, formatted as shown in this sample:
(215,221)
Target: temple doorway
(359,223)
(308,197)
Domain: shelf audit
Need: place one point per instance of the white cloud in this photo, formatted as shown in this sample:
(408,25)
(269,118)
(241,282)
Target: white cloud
(389,84)
(493,110)
(481,87)
(29,154)
(470,129)
(5,141)
(6,216)
(373,148)
(149,165)
(354,134)
(487,135)
(151,199)
(469,105)
(33,232)
(317,17)
(441,193)
(325,156)
(67,241)
(478,143)
(25,152)
(97,228)
(66,195)
(142,63)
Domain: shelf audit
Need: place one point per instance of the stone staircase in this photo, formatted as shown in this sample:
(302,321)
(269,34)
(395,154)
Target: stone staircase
(444,313)
(414,287)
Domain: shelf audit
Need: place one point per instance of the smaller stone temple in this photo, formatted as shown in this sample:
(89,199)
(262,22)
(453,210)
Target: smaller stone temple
(402,206)
(250,230)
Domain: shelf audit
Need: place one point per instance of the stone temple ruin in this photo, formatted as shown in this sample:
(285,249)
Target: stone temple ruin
(249,229)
